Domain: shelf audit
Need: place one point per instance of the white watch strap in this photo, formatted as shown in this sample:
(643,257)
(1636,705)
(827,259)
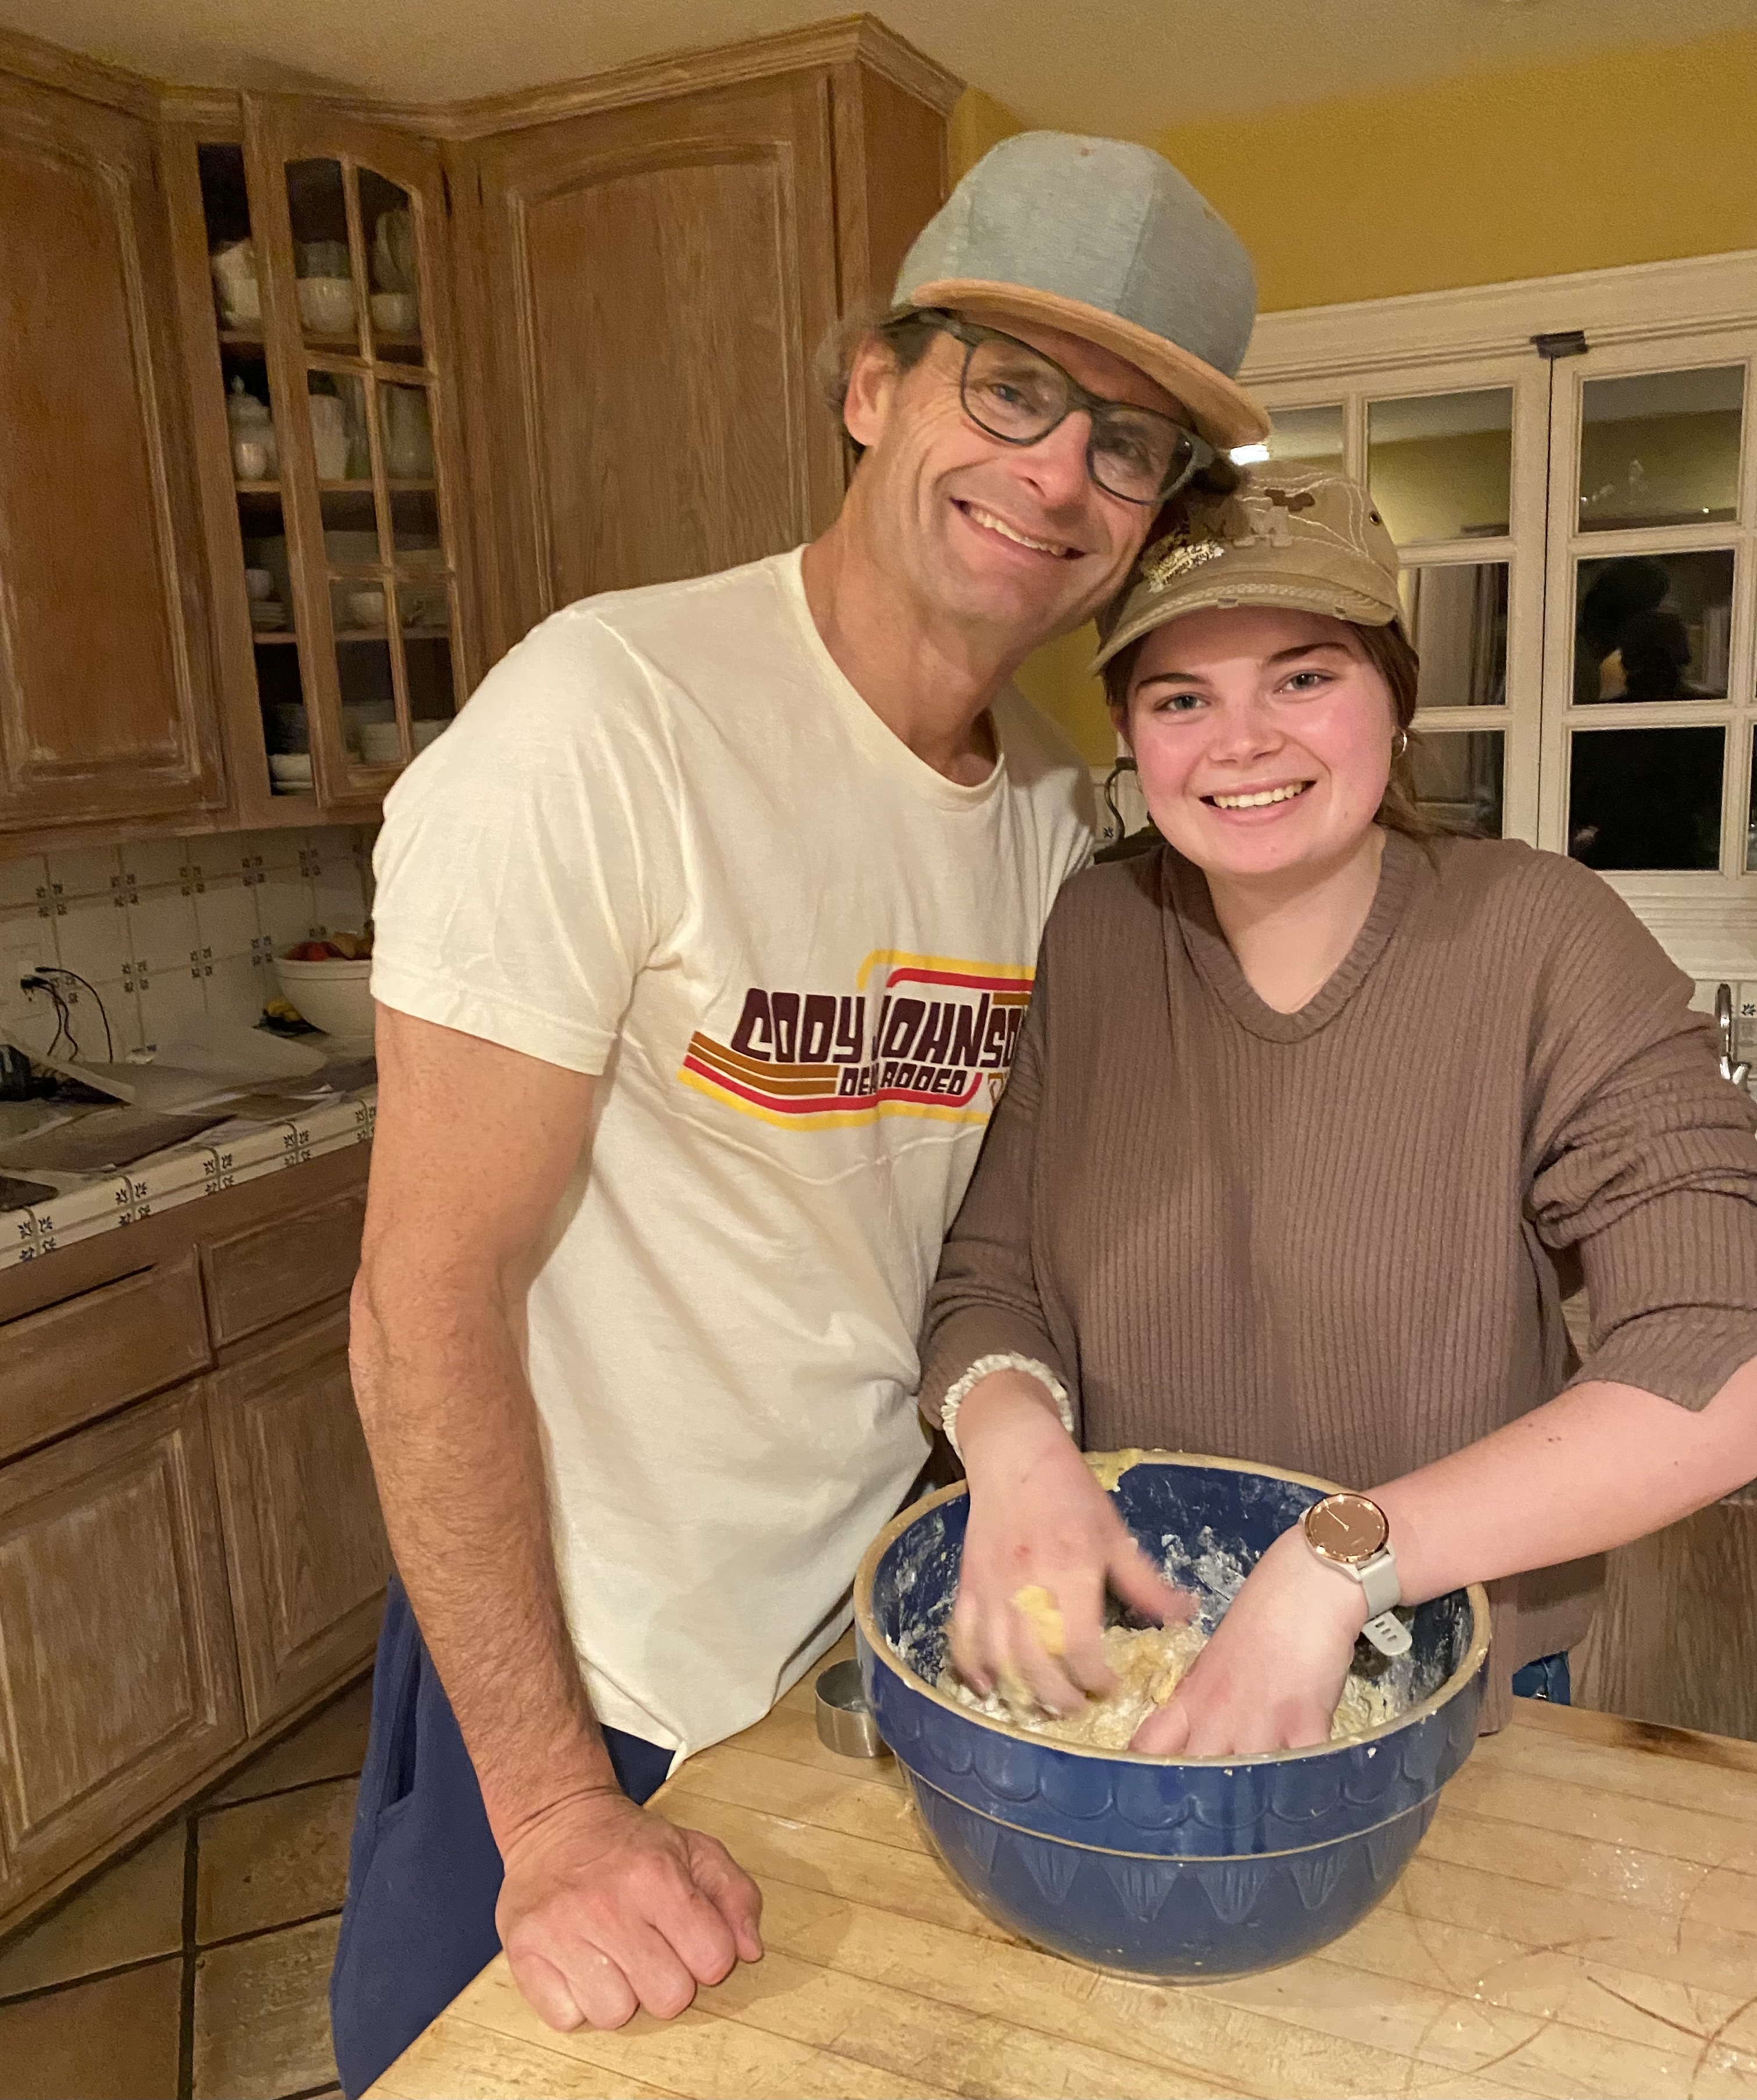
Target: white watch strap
(1387,1634)
(1379,1581)
(957,1392)
(1379,1578)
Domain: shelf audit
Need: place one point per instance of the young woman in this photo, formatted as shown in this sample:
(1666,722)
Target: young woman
(1316,1118)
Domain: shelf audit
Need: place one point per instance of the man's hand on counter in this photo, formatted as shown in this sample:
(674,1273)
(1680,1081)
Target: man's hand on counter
(608,1906)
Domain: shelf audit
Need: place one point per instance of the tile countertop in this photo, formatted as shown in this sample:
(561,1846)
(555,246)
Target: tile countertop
(230,1153)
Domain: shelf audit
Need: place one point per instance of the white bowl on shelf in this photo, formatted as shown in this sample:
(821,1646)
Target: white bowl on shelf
(380,744)
(326,305)
(421,734)
(334,995)
(366,606)
(395,313)
(291,772)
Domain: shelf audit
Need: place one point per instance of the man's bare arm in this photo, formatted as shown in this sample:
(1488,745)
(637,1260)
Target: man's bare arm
(604,1905)
(473,1148)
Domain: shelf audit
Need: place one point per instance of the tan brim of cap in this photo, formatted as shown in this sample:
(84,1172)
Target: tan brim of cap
(1223,413)
(1286,594)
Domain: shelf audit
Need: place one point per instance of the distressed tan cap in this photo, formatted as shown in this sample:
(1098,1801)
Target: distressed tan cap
(1290,536)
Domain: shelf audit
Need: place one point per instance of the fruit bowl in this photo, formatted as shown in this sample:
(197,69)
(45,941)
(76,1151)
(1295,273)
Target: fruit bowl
(332,992)
(1155,1867)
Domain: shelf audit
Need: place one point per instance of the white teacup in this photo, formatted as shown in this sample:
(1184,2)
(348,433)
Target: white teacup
(326,305)
(395,312)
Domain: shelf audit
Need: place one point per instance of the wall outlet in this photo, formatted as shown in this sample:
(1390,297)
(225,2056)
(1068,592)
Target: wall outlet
(16,962)
(26,1017)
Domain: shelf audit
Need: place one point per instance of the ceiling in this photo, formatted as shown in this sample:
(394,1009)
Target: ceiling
(1127,67)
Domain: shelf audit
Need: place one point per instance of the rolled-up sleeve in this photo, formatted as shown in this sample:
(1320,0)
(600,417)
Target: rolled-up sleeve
(985,1301)
(1646,1162)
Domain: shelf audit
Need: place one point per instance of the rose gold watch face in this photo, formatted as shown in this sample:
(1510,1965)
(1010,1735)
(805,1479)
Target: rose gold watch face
(1346,1527)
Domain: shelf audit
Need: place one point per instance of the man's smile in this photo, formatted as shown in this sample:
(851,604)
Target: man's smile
(1057,549)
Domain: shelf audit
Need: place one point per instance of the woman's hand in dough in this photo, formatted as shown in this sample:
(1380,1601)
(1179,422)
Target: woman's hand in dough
(1270,1678)
(1039,1521)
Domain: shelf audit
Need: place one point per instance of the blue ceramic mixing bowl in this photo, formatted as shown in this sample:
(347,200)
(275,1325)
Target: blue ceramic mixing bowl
(1147,1865)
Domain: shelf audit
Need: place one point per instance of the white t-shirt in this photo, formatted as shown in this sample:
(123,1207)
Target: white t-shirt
(668,842)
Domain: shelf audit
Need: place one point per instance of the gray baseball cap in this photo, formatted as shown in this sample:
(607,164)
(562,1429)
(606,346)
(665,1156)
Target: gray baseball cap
(1109,242)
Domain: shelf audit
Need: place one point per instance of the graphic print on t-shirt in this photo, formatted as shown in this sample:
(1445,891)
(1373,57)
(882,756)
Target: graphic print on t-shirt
(942,1045)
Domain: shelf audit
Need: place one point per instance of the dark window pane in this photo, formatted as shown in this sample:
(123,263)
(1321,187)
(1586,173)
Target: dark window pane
(1645,798)
(431,697)
(364,670)
(415,521)
(1458,778)
(1653,627)
(1457,618)
(1660,449)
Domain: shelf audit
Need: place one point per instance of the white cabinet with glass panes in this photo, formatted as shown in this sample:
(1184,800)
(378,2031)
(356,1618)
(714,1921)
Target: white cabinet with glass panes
(1646,766)
(1440,456)
(1576,503)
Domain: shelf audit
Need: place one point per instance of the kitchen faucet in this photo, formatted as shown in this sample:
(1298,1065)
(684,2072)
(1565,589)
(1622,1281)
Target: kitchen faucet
(1738,1074)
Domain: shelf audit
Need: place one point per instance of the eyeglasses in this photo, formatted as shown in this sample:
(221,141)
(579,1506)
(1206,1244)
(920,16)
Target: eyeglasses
(1017,394)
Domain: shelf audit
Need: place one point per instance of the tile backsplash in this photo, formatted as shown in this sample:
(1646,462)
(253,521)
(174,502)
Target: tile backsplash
(167,929)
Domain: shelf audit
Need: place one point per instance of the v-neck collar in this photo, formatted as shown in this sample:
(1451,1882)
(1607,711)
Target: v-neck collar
(1189,917)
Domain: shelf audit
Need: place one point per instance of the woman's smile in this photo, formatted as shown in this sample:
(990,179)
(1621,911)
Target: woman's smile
(1238,801)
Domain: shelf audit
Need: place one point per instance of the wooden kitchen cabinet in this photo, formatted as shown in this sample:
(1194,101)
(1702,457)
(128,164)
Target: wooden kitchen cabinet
(655,279)
(118,1669)
(365,379)
(594,370)
(648,280)
(108,702)
(95,1351)
(336,535)
(304,1541)
(191,1552)
(1676,1639)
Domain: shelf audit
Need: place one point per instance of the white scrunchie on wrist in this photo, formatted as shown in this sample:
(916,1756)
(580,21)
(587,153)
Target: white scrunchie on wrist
(956,1394)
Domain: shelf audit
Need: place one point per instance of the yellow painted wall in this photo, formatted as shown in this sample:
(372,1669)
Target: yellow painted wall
(1628,156)
(1442,488)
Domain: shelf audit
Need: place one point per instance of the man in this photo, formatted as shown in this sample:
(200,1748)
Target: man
(703,942)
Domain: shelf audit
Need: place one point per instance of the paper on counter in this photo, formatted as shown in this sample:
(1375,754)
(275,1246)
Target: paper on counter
(225,1050)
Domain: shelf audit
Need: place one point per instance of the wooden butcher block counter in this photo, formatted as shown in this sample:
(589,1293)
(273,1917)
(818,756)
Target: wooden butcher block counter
(1580,1919)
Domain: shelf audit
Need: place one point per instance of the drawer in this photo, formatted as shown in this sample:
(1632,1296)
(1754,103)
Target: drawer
(258,1277)
(80,1359)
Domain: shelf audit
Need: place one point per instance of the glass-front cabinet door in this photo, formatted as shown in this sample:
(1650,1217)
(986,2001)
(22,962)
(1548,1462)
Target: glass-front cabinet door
(1650,703)
(1455,456)
(350,223)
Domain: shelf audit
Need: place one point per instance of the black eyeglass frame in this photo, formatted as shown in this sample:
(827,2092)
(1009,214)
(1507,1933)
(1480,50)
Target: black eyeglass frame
(973,334)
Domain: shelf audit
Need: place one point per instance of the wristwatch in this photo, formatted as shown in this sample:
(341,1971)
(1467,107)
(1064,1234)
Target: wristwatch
(1352,1535)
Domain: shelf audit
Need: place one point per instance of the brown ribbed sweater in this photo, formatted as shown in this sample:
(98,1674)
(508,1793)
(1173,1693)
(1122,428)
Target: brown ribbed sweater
(1338,1240)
